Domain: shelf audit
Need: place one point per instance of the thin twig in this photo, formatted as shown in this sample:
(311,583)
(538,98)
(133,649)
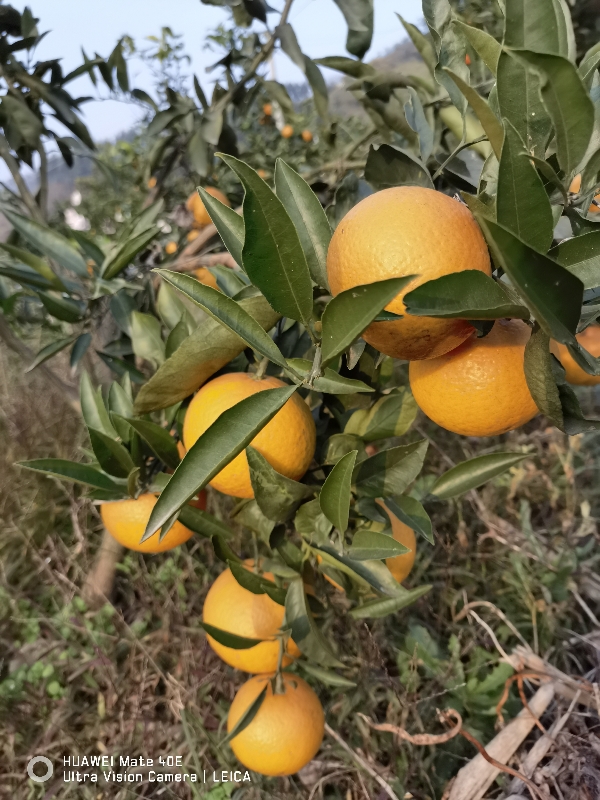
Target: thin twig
(420,738)
(486,603)
(497,644)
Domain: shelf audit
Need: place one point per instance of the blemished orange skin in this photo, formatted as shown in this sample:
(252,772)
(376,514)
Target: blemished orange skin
(575,188)
(232,608)
(126,522)
(307,136)
(287,442)
(479,389)
(196,206)
(590,339)
(287,131)
(401,566)
(286,732)
(170,248)
(205,276)
(402,231)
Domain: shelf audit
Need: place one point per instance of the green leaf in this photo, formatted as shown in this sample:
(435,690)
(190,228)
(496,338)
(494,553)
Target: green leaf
(20,117)
(272,253)
(391,166)
(255,583)
(51,243)
(522,204)
(80,348)
(422,44)
(359,18)
(326,676)
(169,306)
(231,433)
(209,348)
(111,455)
(371,573)
(588,65)
(581,256)
(537,25)
(146,338)
(330,382)
(392,415)
(449,46)
(487,48)
(229,639)
(473,473)
(335,494)
(489,121)
(49,351)
(247,716)
(176,337)
(568,104)
(74,472)
(350,312)
(416,118)
(116,262)
(93,409)
(203,523)
(311,522)
(198,153)
(470,294)
(228,313)
(349,66)
(63,308)
(228,223)
(158,439)
(552,293)
(539,374)
(381,608)
(309,218)
(250,516)
(35,262)
(305,632)
(368,545)
(278,497)
(411,513)
(390,472)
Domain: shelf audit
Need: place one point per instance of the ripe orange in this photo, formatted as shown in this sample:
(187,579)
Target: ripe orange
(479,389)
(401,566)
(152,183)
(232,608)
(196,206)
(170,248)
(307,136)
(262,173)
(287,442)
(206,277)
(126,522)
(407,231)
(590,339)
(287,131)
(468,60)
(286,732)
(575,188)
(267,109)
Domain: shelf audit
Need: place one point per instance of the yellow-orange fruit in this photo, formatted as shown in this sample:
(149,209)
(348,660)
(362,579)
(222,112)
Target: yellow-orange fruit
(287,441)
(590,339)
(232,608)
(479,389)
(126,522)
(170,248)
(152,183)
(195,204)
(401,566)
(193,234)
(286,732)
(267,109)
(307,136)
(262,173)
(206,277)
(287,131)
(405,231)
(468,60)
(575,188)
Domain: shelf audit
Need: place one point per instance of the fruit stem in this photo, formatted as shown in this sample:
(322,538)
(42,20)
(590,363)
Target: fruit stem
(262,368)
(316,370)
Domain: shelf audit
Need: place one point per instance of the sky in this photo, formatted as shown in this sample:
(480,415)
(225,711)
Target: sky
(97,26)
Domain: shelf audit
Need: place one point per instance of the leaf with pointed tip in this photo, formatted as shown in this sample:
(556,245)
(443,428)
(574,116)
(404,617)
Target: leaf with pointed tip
(272,254)
(335,494)
(49,351)
(390,471)
(277,496)
(146,338)
(111,455)
(470,294)
(368,545)
(63,308)
(581,256)
(231,433)
(228,312)
(350,312)
(487,47)
(359,18)
(539,374)
(392,415)
(489,121)
(326,676)
(158,439)
(249,713)
(35,262)
(116,262)
(74,472)
(390,605)
(93,409)
(391,166)
(203,523)
(229,639)
(330,382)
(80,348)
(305,633)
(411,513)
(422,43)
(229,224)
(370,573)
(473,473)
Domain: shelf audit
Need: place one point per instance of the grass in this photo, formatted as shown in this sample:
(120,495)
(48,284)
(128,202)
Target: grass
(138,678)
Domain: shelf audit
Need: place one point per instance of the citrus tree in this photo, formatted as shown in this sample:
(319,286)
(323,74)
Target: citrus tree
(463,242)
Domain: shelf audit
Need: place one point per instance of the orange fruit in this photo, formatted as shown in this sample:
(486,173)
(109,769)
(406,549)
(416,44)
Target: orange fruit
(575,188)
(126,522)
(287,131)
(196,206)
(590,339)
(286,732)
(307,136)
(479,389)
(402,231)
(401,566)
(267,109)
(170,248)
(232,608)
(205,276)
(287,442)
(468,60)
(262,173)
(152,183)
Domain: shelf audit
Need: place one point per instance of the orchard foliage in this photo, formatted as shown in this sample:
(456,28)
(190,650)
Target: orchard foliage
(504,116)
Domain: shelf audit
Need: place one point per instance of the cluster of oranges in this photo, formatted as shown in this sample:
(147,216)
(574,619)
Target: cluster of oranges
(287,130)
(468,385)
